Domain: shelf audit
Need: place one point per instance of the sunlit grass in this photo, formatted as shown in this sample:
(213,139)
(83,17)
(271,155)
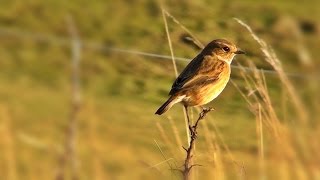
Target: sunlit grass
(121,92)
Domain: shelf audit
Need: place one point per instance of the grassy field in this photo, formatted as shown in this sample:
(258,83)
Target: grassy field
(117,132)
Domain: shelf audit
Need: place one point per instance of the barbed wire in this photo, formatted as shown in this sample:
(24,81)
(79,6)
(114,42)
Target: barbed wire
(65,41)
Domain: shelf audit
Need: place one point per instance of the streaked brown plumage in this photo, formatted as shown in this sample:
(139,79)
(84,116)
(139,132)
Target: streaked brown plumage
(204,77)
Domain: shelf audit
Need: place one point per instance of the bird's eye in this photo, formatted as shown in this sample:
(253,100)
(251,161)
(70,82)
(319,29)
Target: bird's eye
(226,49)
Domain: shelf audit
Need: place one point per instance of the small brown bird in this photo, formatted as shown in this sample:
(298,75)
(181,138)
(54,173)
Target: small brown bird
(205,76)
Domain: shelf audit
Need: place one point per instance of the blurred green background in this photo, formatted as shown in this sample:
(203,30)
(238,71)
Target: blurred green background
(117,130)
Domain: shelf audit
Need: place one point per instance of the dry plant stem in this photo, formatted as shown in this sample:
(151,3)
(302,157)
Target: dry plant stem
(69,155)
(193,134)
(193,37)
(173,61)
(166,160)
(170,44)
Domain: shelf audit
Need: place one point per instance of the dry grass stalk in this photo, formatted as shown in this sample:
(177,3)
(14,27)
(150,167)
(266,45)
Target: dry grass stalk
(260,141)
(273,60)
(169,43)
(237,166)
(262,106)
(214,151)
(70,145)
(174,65)
(292,146)
(166,160)
(176,133)
(166,138)
(163,134)
(193,37)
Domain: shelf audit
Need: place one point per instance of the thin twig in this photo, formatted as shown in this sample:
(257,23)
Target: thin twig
(165,158)
(153,166)
(190,150)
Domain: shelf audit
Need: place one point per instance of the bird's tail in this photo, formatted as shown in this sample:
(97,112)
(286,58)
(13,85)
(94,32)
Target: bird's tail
(168,104)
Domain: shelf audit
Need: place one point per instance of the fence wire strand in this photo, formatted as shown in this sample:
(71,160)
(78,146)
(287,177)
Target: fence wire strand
(65,41)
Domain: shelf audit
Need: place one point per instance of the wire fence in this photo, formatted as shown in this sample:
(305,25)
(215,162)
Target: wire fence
(65,41)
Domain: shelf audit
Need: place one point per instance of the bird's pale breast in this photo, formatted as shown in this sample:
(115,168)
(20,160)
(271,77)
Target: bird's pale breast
(202,95)
(210,92)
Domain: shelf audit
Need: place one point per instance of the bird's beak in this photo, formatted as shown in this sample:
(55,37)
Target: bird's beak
(239,51)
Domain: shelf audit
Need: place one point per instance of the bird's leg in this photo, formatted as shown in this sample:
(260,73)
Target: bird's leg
(188,118)
(187,113)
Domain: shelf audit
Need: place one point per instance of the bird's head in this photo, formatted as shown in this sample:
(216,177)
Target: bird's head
(223,50)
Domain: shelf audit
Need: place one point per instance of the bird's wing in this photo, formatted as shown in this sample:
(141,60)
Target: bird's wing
(201,81)
(187,74)
(193,75)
